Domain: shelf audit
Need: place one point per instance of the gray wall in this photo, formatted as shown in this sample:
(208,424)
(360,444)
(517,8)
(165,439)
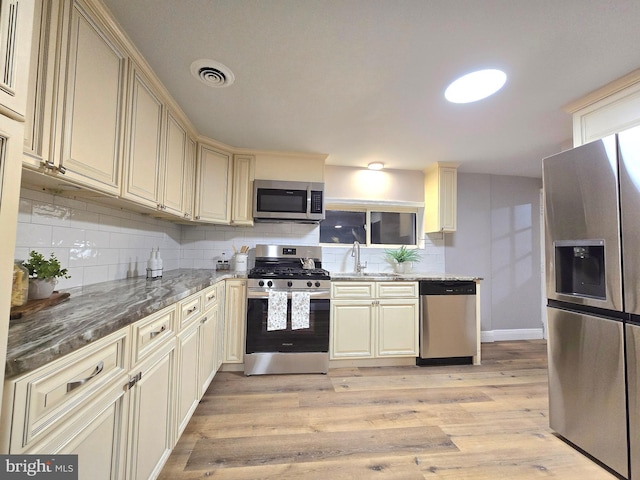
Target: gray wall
(498,238)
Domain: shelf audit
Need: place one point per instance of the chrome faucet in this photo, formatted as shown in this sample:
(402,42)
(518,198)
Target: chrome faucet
(355,253)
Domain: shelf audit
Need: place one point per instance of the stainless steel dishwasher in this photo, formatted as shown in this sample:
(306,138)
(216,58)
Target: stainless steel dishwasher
(448,330)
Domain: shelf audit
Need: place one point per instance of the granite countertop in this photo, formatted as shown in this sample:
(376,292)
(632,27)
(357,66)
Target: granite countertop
(400,277)
(93,312)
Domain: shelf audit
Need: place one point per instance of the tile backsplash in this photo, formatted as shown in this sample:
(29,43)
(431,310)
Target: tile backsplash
(97,243)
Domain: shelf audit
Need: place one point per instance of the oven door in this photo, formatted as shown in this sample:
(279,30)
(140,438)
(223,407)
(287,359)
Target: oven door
(312,339)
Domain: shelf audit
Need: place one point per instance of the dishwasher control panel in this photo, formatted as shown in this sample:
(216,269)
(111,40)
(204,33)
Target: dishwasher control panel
(447,288)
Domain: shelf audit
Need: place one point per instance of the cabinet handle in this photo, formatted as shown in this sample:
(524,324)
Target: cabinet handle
(49,164)
(197,217)
(62,169)
(211,297)
(162,329)
(204,320)
(77,383)
(187,215)
(191,310)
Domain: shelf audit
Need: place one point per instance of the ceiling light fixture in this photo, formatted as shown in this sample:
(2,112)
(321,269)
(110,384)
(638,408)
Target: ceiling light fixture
(375,166)
(475,86)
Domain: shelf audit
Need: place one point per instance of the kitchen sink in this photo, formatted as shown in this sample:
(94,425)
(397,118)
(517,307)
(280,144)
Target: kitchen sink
(364,274)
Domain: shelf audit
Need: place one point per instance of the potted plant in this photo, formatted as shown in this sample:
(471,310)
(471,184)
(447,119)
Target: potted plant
(43,274)
(402,258)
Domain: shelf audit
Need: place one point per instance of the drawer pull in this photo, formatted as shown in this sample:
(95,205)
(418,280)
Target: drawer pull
(162,329)
(211,297)
(204,320)
(191,310)
(73,385)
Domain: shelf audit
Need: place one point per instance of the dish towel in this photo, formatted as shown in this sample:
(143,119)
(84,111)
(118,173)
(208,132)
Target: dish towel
(277,311)
(300,310)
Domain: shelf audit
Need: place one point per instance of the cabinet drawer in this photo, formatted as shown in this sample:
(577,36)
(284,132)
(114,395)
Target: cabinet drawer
(150,332)
(210,296)
(352,290)
(189,309)
(47,397)
(397,289)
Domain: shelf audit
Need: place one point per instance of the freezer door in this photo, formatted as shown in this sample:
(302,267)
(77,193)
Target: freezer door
(586,385)
(629,142)
(633,357)
(581,205)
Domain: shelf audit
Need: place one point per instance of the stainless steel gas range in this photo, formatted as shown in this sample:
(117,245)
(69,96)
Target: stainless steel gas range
(288,308)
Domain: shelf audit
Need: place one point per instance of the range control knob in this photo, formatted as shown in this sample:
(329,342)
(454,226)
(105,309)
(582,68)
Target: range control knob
(317,284)
(269,283)
(261,283)
(289,283)
(309,284)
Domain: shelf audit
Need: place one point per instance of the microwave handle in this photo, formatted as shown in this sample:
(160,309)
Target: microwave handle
(308,200)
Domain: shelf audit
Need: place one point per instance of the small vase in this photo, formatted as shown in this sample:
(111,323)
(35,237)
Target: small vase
(40,288)
(404,267)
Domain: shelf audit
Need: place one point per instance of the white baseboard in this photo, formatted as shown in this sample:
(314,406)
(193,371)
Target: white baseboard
(511,334)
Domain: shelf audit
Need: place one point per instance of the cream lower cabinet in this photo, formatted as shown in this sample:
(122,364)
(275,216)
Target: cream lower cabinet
(374,319)
(235,320)
(76,404)
(151,410)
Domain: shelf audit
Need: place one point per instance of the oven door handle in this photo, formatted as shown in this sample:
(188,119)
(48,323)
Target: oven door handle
(263,294)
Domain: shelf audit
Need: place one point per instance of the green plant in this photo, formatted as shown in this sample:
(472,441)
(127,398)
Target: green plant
(40,267)
(403,254)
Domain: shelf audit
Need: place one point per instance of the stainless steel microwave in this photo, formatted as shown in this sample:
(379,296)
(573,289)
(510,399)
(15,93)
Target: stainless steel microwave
(279,201)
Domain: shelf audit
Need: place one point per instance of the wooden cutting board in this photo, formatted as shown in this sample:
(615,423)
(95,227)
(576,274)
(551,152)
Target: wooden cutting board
(33,306)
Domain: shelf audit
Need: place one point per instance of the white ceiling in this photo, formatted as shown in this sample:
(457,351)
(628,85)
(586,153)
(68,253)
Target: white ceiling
(363,80)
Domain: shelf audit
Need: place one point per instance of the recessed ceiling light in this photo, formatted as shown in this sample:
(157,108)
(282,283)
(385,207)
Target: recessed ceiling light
(375,166)
(475,86)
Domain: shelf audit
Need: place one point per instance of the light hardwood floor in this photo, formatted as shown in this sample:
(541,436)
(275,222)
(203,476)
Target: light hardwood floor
(446,422)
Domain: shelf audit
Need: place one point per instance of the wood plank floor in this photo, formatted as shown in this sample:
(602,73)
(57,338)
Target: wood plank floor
(446,422)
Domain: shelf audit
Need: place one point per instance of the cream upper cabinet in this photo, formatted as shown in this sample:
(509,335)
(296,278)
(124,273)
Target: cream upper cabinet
(213,184)
(374,319)
(143,152)
(242,201)
(16,21)
(78,107)
(441,202)
(610,109)
(235,320)
(188,190)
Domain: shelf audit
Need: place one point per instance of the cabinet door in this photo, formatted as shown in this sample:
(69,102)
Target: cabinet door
(220,323)
(93,105)
(97,437)
(143,155)
(214,178)
(151,414)
(188,189)
(440,203)
(187,379)
(397,328)
(174,168)
(351,329)
(208,348)
(16,19)
(235,321)
(242,205)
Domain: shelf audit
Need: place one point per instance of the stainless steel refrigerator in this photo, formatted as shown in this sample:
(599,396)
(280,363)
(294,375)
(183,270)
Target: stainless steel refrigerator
(592,212)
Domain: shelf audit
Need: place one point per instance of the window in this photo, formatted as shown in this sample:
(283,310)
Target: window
(369,226)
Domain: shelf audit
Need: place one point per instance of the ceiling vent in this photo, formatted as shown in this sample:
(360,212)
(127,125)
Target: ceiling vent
(212,73)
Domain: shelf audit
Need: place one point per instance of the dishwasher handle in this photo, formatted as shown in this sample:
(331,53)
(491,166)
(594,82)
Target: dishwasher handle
(447,287)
